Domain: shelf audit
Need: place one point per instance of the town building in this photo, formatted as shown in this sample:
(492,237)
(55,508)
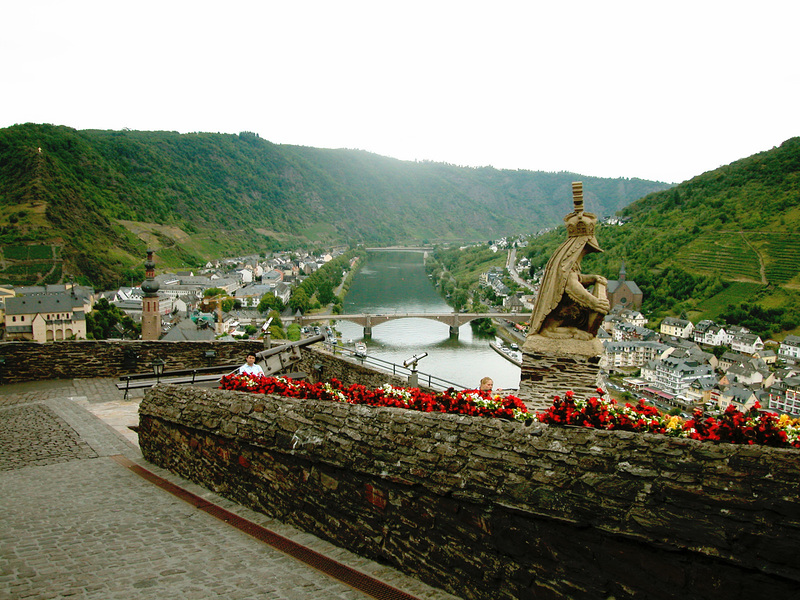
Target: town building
(630,354)
(742,398)
(681,328)
(789,350)
(623,292)
(709,333)
(784,396)
(746,343)
(674,375)
(46,317)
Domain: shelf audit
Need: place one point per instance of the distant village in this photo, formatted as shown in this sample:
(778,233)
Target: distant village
(682,366)
(58,312)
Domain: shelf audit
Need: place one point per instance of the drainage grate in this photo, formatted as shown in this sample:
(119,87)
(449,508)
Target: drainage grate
(347,575)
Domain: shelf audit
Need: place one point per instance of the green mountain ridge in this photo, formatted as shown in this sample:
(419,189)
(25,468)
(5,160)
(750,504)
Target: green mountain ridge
(88,203)
(726,238)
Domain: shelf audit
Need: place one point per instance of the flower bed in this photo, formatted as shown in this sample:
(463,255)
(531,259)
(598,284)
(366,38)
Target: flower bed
(733,426)
(468,402)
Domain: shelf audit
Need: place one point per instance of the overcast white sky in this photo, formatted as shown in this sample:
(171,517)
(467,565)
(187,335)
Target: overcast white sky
(656,90)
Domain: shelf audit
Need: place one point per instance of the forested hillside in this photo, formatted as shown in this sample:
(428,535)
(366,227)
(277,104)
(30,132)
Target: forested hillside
(88,203)
(723,245)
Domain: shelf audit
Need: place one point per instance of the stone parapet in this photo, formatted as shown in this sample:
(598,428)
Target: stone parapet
(487,508)
(77,359)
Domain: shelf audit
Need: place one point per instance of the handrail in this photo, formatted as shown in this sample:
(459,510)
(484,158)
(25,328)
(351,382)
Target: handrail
(432,380)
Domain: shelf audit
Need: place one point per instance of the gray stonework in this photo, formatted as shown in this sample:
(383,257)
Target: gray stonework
(77,524)
(33,361)
(493,509)
(544,376)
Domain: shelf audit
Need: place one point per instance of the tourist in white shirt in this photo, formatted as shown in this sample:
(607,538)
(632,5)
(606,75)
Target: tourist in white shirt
(250,367)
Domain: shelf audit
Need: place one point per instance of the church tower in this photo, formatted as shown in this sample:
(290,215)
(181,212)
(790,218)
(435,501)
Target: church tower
(151,317)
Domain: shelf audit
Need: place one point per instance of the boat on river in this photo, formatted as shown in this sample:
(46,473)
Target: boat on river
(361,350)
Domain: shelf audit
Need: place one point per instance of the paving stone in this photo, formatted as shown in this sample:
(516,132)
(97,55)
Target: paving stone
(76,524)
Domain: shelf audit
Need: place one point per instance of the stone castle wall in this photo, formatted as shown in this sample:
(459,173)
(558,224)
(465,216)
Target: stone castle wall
(78,359)
(32,361)
(486,508)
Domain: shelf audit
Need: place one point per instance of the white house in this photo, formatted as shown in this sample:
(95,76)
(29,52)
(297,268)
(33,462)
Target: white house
(634,317)
(630,354)
(677,327)
(747,343)
(790,348)
(709,333)
(675,375)
(246,275)
(785,397)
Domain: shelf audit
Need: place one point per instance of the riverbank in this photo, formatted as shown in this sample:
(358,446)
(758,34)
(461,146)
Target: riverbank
(506,355)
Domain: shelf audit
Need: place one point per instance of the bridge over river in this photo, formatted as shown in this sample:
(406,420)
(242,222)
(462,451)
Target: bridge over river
(454,320)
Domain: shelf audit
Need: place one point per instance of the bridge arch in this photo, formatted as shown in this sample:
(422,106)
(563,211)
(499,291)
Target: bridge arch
(453,320)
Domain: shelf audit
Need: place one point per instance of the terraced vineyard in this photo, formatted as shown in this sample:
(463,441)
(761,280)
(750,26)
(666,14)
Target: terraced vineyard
(781,254)
(30,264)
(721,253)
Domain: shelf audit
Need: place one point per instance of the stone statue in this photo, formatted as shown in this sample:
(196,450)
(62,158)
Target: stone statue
(565,309)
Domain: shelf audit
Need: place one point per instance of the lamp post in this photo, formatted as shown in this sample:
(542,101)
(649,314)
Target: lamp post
(158,368)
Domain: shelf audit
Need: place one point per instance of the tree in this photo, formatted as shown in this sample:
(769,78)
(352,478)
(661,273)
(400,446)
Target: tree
(325,293)
(293,332)
(269,302)
(299,300)
(276,318)
(459,299)
(102,322)
(483,327)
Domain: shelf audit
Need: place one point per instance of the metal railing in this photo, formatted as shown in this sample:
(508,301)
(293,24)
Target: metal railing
(423,379)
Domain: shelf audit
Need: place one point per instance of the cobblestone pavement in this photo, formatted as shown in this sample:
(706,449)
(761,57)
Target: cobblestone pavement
(77,524)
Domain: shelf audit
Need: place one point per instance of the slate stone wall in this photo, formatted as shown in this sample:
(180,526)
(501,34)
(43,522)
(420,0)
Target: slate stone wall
(486,508)
(77,359)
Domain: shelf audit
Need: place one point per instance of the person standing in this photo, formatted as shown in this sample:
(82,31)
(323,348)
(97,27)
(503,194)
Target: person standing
(250,367)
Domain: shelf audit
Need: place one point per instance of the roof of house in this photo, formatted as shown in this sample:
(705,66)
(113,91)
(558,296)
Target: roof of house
(44,303)
(613,284)
(675,322)
(188,331)
(791,340)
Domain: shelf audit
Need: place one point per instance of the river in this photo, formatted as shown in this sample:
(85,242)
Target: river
(395,282)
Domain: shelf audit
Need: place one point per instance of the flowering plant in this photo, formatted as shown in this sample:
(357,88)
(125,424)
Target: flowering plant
(733,426)
(599,412)
(467,402)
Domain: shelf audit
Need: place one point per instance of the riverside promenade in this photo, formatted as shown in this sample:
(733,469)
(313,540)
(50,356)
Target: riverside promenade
(79,520)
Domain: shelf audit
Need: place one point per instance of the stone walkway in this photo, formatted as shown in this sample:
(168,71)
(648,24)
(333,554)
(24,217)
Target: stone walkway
(77,524)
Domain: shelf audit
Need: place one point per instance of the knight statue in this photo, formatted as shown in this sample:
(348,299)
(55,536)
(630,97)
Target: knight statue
(565,308)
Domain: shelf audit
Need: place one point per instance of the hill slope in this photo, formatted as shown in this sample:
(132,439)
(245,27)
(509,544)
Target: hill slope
(89,202)
(727,237)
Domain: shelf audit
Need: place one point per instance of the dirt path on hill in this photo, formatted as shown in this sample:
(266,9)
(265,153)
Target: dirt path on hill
(761,267)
